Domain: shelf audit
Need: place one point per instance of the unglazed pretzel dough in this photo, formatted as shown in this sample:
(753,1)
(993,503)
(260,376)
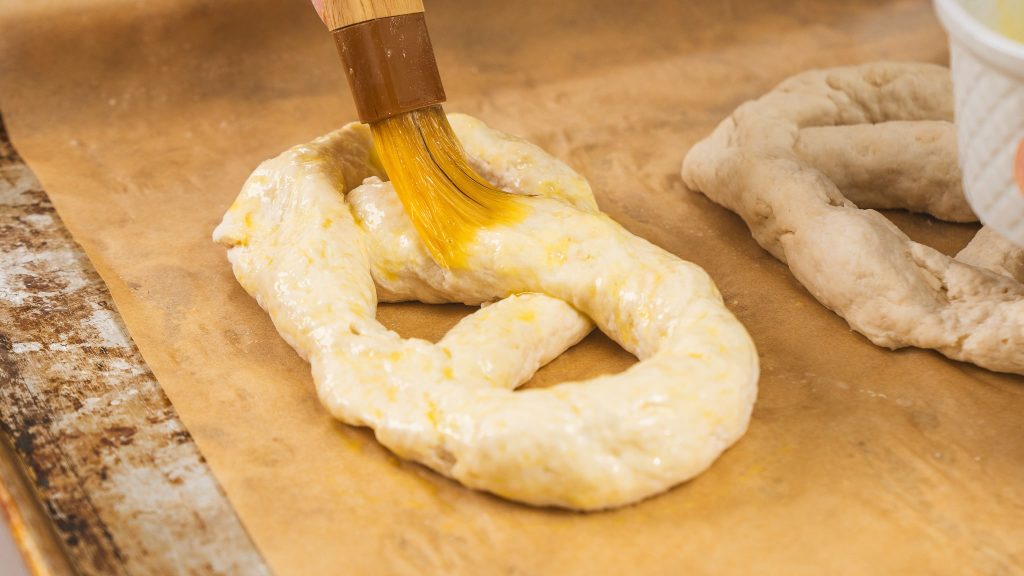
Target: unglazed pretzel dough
(793,164)
(317,254)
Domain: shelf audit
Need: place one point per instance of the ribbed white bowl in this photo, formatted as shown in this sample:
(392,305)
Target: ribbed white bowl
(988,82)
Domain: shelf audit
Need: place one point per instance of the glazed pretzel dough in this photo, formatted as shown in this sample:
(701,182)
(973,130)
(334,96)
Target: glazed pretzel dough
(317,254)
(796,163)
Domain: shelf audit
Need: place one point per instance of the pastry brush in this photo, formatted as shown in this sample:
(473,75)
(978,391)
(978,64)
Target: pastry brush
(391,70)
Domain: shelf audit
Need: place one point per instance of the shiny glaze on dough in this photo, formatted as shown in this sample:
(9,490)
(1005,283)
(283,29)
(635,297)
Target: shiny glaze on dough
(317,250)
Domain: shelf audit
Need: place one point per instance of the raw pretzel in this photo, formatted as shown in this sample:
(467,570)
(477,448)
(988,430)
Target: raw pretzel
(317,254)
(793,164)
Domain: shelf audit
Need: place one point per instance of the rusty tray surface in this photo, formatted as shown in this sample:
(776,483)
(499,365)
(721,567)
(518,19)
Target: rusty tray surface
(97,473)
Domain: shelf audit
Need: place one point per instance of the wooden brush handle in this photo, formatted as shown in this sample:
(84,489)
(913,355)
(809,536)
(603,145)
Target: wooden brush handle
(386,54)
(340,13)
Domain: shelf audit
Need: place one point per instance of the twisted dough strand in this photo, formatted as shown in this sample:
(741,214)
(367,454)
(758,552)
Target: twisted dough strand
(316,250)
(793,163)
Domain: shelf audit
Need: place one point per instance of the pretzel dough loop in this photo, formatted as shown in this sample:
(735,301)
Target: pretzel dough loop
(317,251)
(796,164)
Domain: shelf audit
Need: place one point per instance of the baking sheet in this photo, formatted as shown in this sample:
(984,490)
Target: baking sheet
(142,119)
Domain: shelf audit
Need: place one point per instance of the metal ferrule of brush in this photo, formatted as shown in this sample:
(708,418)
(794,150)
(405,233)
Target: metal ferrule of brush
(390,66)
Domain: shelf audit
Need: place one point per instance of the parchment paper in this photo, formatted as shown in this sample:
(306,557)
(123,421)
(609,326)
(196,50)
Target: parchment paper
(143,119)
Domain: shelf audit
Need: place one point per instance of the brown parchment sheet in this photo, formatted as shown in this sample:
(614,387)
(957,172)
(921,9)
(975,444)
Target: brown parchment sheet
(142,119)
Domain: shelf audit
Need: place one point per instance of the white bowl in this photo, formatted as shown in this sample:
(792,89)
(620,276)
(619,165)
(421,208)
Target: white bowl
(988,84)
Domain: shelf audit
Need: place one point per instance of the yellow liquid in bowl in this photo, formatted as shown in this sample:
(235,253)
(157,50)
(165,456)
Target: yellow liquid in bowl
(1010,19)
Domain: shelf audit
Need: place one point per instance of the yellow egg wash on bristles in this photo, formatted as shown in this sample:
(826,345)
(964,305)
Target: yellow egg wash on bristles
(445,198)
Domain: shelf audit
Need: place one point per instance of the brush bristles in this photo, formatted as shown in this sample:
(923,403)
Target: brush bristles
(445,198)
